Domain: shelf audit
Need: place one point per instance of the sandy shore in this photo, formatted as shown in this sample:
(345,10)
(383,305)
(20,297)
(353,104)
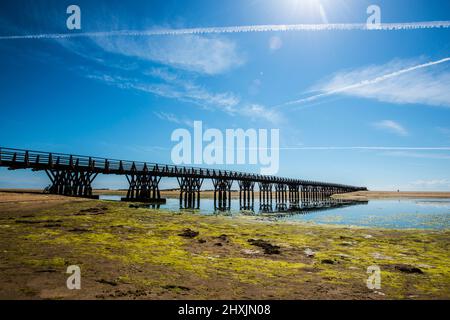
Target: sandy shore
(137,253)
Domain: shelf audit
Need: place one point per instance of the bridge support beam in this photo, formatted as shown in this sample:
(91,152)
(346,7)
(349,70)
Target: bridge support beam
(190,192)
(265,196)
(319,193)
(306,193)
(71,183)
(222,194)
(294,196)
(144,187)
(316,194)
(281,196)
(246,195)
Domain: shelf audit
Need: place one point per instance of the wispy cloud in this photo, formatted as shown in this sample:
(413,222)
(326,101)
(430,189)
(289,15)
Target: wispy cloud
(205,55)
(398,81)
(391,126)
(238,29)
(167,81)
(174,118)
(259,112)
(318,148)
(183,90)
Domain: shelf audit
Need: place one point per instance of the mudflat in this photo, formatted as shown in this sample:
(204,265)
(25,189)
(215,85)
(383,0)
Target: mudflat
(137,253)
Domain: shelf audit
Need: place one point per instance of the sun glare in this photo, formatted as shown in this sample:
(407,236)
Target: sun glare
(306,10)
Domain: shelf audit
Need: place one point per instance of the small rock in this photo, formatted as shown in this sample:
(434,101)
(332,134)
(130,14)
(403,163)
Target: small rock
(49,270)
(172,287)
(408,269)
(379,256)
(93,211)
(343,255)
(368,236)
(309,253)
(79,230)
(426,266)
(250,252)
(328,261)
(268,248)
(111,283)
(188,233)
(52,225)
(223,237)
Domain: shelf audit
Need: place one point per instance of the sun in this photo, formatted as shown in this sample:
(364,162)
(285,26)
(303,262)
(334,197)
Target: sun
(306,9)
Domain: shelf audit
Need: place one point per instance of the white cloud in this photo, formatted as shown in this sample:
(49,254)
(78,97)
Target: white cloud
(260,112)
(399,81)
(205,55)
(391,126)
(180,89)
(275,43)
(175,119)
(187,91)
(174,85)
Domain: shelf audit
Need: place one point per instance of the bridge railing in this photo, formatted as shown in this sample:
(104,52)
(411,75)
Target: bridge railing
(38,160)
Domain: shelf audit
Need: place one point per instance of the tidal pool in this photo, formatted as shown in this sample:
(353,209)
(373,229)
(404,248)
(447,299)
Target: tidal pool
(390,213)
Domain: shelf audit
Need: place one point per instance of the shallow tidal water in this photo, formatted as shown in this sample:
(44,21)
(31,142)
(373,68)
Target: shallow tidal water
(387,213)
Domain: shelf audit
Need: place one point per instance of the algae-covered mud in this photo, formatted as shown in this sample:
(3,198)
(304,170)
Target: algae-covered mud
(138,253)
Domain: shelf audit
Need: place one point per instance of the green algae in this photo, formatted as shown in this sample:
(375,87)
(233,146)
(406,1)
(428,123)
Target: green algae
(150,237)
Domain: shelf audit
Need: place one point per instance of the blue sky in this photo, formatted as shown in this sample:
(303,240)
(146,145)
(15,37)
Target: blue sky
(122,96)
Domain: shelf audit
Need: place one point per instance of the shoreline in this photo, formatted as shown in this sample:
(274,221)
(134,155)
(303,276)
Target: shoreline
(209,194)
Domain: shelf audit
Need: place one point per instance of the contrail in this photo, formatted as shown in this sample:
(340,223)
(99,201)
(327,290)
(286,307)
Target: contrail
(365,82)
(238,29)
(369,148)
(356,148)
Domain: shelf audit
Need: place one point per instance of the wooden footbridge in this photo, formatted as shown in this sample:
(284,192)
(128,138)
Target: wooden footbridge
(72,175)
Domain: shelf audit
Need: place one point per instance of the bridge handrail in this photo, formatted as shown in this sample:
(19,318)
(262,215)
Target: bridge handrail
(41,157)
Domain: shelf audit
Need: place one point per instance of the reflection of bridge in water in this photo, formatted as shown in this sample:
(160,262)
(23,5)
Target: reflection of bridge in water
(72,175)
(309,207)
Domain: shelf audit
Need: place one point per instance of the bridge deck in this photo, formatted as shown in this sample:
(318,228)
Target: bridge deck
(38,160)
